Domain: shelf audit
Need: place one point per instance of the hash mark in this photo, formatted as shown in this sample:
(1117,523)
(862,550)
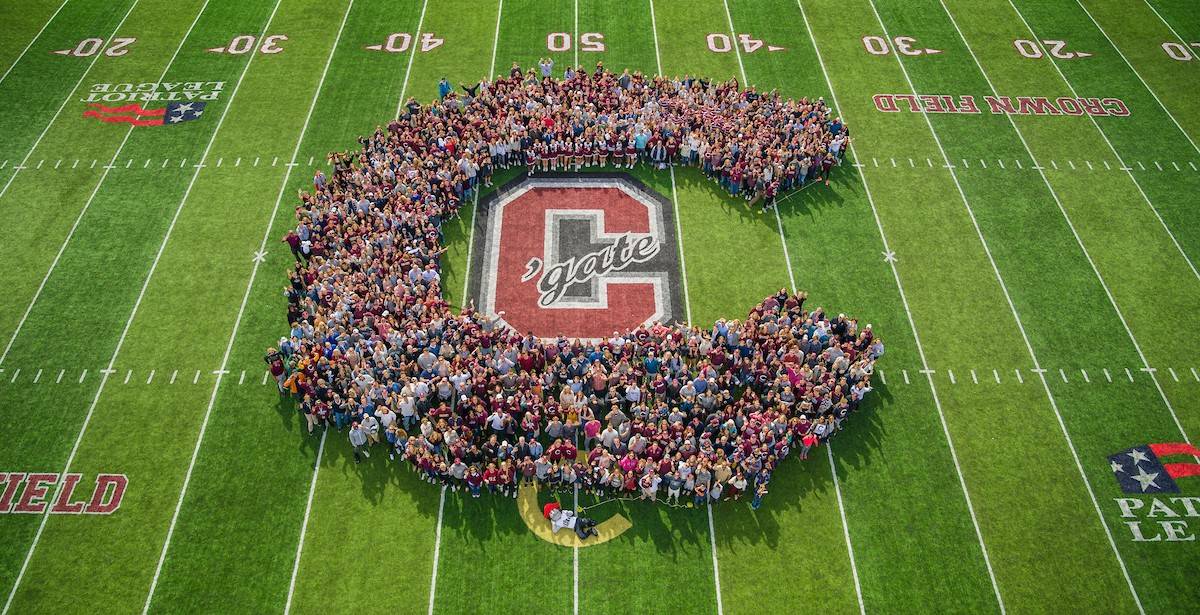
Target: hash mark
(199,165)
(265,374)
(893,162)
(128,375)
(974,378)
(93,164)
(1140,165)
(1193,165)
(275,161)
(76,163)
(129,163)
(173,375)
(1038,370)
(983,163)
(243,378)
(150,378)
(196,378)
(1126,168)
(61,373)
(1054,164)
(996,375)
(20,167)
(165,161)
(15,374)
(1019,378)
(1173,374)
(858,165)
(948,166)
(37,376)
(966,165)
(310,161)
(109,166)
(929,162)
(1176,165)
(1071,163)
(875,162)
(927,371)
(1038,167)
(82,376)
(1001,161)
(1019,165)
(256,161)
(147,165)
(1156,163)
(56,165)
(1107,376)
(238,162)
(39,165)
(1129,373)
(220,161)
(182,162)
(1106,167)
(4,164)
(905,371)
(1089,165)
(911,164)
(952,380)
(1195,375)
(1085,376)
(1063,374)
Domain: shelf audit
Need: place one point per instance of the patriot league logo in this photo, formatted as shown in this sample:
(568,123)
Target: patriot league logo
(1140,469)
(580,256)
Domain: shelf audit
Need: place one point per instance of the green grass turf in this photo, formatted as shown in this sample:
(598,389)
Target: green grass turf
(22,23)
(914,545)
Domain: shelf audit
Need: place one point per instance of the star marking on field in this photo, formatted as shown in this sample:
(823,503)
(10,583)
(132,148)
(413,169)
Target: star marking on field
(184,108)
(260,256)
(889,256)
(1116,467)
(1146,479)
(1138,456)
(175,119)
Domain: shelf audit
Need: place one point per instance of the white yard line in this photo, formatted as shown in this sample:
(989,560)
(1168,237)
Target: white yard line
(712,532)
(837,490)
(32,41)
(575,35)
(129,322)
(312,488)
(787,259)
(220,373)
(88,203)
(437,549)
(1120,161)
(1138,75)
(912,325)
(411,56)
(69,98)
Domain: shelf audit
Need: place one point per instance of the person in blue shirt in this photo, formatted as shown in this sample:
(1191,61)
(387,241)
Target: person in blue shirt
(444,88)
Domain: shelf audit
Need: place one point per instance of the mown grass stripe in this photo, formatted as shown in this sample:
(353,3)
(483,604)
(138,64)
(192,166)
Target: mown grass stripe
(88,203)
(25,10)
(133,313)
(264,526)
(1013,308)
(70,95)
(1025,264)
(911,321)
(212,399)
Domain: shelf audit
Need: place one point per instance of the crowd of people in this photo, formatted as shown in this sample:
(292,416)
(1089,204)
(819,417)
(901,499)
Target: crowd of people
(665,412)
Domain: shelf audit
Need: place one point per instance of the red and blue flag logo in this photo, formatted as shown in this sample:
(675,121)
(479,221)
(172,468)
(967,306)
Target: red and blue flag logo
(1141,470)
(174,113)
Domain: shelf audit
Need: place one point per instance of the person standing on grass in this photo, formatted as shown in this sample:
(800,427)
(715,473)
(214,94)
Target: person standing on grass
(758,496)
(358,440)
(444,88)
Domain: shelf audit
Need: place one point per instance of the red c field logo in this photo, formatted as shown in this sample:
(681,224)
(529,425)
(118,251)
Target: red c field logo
(580,256)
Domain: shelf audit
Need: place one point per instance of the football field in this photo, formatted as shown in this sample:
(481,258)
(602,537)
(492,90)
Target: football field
(1017,218)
